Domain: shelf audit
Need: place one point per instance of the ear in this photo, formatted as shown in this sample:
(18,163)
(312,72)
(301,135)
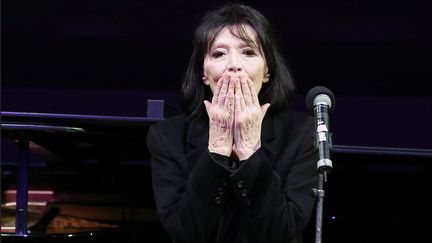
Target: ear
(266,78)
(267,74)
(205,80)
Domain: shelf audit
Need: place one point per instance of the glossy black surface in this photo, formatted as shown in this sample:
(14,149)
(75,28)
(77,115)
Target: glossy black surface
(377,198)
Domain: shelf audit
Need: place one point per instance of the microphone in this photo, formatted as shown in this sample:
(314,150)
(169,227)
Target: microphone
(320,100)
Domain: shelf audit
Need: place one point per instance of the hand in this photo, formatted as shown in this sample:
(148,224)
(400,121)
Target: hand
(248,118)
(221,117)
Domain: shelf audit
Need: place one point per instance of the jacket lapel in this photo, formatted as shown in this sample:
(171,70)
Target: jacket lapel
(268,129)
(196,140)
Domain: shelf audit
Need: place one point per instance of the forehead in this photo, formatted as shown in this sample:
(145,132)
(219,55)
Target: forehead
(241,32)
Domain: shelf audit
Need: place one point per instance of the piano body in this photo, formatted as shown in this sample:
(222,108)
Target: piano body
(95,173)
(77,178)
(377,194)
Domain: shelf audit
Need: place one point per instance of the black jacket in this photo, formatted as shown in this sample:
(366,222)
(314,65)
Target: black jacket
(201,198)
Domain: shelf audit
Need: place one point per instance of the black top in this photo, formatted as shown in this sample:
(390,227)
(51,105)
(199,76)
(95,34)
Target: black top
(204,197)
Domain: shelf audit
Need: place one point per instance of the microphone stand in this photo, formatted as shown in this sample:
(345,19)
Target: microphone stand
(324,165)
(319,193)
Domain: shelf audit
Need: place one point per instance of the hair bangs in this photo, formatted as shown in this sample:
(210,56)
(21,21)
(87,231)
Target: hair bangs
(239,31)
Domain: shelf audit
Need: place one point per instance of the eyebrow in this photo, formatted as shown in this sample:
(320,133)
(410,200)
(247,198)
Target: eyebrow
(241,45)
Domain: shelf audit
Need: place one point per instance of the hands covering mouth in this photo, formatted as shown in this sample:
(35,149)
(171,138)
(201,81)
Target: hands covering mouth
(235,117)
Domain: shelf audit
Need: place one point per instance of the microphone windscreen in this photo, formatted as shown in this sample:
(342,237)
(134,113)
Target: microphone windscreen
(319,90)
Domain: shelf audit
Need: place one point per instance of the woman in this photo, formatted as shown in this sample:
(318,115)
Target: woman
(238,166)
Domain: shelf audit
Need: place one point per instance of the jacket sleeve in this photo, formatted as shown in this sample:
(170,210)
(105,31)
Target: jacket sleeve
(276,193)
(189,201)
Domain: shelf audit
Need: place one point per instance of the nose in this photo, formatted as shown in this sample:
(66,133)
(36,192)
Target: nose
(234,64)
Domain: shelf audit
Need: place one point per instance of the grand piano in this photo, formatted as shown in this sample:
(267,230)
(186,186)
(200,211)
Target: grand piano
(88,178)
(77,178)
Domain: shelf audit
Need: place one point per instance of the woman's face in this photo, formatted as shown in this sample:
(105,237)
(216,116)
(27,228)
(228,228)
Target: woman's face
(232,56)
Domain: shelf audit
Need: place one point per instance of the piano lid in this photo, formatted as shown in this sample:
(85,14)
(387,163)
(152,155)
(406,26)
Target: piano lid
(80,137)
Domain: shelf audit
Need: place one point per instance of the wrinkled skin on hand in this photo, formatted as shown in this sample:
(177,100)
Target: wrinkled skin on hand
(248,117)
(221,115)
(235,117)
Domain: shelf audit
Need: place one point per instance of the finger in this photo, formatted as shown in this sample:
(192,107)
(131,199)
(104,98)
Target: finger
(217,91)
(207,106)
(254,96)
(238,98)
(223,92)
(246,92)
(229,100)
(239,95)
(264,108)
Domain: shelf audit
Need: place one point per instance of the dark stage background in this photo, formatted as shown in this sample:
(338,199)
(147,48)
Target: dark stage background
(110,57)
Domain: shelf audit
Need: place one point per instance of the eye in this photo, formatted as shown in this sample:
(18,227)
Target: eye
(217,54)
(249,52)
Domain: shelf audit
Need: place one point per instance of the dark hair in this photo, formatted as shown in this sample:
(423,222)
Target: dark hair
(278,91)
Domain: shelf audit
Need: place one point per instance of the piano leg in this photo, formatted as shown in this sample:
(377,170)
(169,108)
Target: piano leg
(22,187)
